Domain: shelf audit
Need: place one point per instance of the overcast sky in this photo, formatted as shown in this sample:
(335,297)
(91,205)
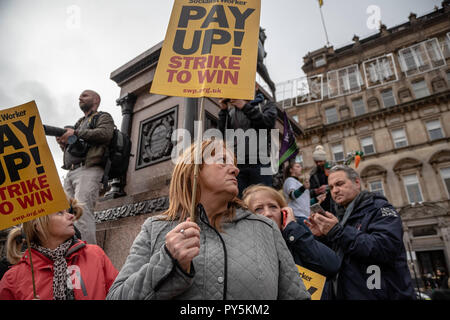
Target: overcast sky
(51,50)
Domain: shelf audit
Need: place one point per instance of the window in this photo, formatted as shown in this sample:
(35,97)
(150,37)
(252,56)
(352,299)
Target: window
(344,81)
(399,137)
(445,174)
(367,145)
(359,107)
(284,94)
(434,129)
(377,187)
(445,46)
(420,89)
(424,231)
(421,57)
(413,188)
(308,89)
(388,98)
(338,152)
(380,70)
(331,115)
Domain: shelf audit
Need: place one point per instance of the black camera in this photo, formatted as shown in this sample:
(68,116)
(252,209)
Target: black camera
(78,147)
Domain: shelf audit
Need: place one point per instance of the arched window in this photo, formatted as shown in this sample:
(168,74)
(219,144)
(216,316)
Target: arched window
(374,180)
(409,172)
(440,161)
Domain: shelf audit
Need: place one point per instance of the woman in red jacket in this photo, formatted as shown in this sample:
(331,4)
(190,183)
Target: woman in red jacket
(65,268)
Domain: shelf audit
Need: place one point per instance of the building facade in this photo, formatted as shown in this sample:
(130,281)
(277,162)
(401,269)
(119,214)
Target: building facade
(388,95)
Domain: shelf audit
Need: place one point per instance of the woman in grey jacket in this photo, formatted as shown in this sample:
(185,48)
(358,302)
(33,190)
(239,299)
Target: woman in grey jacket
(227,253)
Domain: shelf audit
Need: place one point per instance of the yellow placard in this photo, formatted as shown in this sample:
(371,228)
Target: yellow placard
(30,186)
(314,282)
(210,50)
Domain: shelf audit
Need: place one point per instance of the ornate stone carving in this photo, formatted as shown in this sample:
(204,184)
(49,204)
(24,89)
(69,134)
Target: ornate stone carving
(407,163)
(132,209)
(344,112)
(440,157)
(372,171)
(155,142)
(404,93)
(373,104)
(438,84)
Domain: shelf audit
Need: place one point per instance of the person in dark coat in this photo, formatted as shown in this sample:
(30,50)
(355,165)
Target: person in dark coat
(367,234)
(305,249)
(251,144)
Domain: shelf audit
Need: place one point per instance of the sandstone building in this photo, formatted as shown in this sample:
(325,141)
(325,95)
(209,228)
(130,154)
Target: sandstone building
(387,95)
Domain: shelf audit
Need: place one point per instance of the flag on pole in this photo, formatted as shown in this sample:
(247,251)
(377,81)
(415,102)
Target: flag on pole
(289,147)
(320,3)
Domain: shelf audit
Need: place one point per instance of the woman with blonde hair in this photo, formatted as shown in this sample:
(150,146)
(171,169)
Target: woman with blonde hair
(226,253)
(305,249)
(65,268)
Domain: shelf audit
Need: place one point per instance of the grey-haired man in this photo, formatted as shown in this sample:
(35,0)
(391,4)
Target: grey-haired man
(367,234)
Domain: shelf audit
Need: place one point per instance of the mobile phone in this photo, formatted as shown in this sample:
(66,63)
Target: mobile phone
(316,208)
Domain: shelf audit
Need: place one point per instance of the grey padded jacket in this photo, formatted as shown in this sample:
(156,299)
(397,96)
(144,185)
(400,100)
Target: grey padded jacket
(248,260)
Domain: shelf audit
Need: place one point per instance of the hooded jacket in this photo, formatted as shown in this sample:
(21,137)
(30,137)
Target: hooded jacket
(247,260)
(370,243)
(91,273)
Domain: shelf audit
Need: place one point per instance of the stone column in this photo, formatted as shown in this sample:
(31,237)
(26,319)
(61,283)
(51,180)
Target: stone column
(127,104)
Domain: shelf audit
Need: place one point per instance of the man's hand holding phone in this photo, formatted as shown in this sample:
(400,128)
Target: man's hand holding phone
(320,222)
(316,208)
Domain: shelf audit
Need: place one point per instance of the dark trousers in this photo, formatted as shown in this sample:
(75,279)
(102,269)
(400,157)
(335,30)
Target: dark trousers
(250,174)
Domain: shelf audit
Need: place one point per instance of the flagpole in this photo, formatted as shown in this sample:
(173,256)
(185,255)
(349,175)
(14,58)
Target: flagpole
(323,23)
(197,158)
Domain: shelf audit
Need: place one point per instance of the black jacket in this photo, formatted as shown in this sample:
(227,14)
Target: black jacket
(262,116)
(372,237)
(311,254)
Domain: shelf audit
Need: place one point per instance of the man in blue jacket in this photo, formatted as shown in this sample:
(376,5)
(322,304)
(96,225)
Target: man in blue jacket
(367,234)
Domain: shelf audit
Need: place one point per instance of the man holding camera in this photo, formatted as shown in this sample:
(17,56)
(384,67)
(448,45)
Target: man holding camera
(84,159)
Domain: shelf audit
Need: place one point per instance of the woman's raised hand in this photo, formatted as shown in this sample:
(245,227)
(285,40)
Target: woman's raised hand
(183,243)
